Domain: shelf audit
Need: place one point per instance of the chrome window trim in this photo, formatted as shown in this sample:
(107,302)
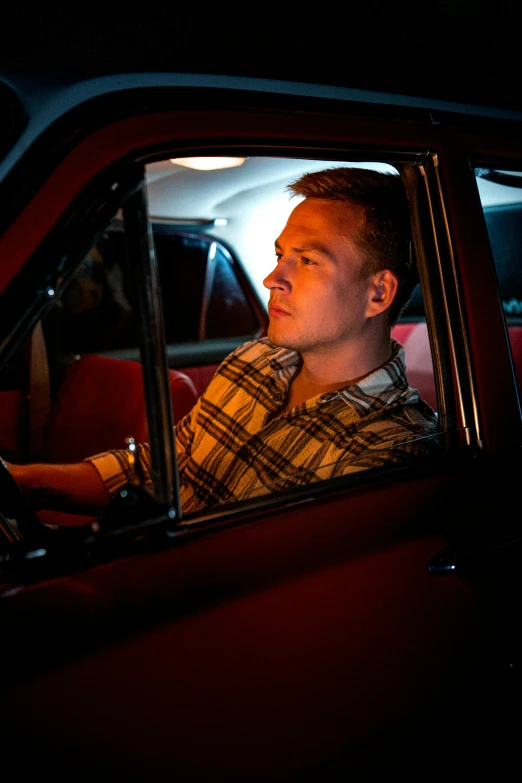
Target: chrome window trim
(460,354)
(144,268)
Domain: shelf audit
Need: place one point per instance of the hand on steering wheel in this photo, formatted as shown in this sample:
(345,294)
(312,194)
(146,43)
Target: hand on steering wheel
(18,519)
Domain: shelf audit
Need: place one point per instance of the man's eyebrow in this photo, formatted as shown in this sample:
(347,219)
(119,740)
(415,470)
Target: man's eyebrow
(315,246)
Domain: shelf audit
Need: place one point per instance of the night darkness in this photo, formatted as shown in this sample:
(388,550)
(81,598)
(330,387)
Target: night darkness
(449,49)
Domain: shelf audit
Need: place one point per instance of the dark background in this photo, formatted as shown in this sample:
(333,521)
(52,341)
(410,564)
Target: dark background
(458,50)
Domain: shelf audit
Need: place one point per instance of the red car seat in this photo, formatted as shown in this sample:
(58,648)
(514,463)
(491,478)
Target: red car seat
(419,364)
(100,403)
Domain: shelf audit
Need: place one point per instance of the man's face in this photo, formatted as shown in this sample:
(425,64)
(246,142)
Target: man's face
(317,296)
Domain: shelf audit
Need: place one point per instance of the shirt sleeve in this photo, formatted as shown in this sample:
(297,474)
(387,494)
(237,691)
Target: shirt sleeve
(120,467)
(393,451)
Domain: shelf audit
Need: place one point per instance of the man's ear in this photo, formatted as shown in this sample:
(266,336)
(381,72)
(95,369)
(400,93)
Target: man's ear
(383,290)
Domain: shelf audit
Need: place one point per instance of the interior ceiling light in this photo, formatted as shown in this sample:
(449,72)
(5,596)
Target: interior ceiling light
(208,164)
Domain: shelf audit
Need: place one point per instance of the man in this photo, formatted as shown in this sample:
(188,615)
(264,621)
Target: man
(324,395)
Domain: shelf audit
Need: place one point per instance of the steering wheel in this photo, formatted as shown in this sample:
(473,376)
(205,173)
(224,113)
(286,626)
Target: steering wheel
(18,519)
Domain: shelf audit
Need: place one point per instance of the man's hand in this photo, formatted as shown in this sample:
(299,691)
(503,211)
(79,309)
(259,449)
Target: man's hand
(76,488)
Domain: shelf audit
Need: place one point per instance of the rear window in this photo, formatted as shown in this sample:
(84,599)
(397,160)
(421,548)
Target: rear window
(204,292)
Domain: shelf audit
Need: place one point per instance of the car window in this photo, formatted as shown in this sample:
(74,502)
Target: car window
(501,198)
(207,271)
(227,312)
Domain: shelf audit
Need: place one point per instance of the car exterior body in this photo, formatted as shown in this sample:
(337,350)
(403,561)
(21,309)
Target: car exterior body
(353,626)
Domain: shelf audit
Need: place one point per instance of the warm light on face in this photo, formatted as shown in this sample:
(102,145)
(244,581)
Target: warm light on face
(208,164)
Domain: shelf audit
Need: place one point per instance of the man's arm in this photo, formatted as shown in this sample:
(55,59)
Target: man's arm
(87,487)
(77,488)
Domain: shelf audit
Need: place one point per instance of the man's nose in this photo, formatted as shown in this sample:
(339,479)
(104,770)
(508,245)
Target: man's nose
(277,277)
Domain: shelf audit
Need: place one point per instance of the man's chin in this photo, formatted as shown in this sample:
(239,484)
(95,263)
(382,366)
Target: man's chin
(282,340)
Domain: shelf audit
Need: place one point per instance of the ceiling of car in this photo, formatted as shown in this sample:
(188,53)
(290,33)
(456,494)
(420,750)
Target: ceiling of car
(252,202)
(184,193)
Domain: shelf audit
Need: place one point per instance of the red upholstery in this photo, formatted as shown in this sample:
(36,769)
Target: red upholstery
(200,376)
(401,332)
(419,365)
(100,402)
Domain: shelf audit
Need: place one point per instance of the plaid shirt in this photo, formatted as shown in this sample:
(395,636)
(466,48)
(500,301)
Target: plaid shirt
(233,445)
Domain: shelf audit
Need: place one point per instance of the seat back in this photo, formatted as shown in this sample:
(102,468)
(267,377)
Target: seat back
(100,403)
(419,364)
(200,376)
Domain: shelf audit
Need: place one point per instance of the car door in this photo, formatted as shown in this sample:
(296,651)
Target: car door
(351,627)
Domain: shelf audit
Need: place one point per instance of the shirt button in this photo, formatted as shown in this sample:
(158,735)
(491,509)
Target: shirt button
(244,453)
(278,396)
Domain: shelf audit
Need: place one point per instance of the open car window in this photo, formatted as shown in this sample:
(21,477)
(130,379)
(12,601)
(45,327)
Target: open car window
(206,282)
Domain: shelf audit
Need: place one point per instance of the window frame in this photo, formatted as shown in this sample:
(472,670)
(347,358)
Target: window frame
(143,267)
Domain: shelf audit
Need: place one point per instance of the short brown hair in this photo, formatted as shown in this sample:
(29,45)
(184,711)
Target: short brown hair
(386,236)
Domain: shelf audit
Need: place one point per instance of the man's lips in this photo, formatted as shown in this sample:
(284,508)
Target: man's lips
(277,311)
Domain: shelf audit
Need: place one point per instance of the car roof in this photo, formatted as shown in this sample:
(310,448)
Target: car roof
(31,104)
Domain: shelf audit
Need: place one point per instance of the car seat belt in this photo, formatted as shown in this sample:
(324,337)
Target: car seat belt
(39,394)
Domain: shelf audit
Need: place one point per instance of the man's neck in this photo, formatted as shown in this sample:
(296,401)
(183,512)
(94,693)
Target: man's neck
(324,371)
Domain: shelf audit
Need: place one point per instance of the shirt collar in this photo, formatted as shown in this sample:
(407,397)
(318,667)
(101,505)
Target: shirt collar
(388,381)
(282,358)
(395,367)
(391,373)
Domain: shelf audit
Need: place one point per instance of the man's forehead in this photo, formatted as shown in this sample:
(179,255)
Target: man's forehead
(314,221)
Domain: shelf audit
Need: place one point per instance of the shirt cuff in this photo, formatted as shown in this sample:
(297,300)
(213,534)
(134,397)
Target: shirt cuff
(115,469)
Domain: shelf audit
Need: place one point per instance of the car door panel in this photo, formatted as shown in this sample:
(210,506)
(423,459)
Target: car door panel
(217,626)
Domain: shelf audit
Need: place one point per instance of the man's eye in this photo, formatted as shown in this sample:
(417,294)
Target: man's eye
(278,256)
(307,261)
